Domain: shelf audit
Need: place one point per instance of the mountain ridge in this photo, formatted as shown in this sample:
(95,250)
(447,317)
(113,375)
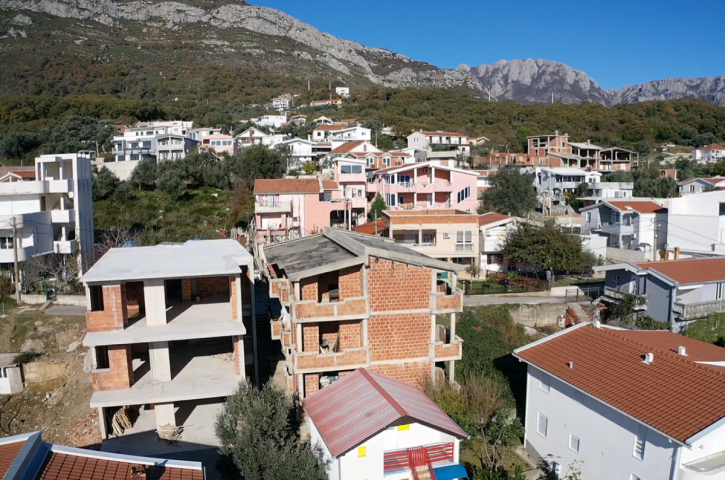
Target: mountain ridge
(310,50)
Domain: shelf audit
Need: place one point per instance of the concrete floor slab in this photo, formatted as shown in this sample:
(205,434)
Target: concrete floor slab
(197,417)
(67,310)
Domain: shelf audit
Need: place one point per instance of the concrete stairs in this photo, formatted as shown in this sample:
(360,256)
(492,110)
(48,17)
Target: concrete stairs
(423,473)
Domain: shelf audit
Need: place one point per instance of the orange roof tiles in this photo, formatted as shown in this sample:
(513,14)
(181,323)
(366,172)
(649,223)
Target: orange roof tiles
(713,146)
(369,228)
(689,270)
(347,147)
(286,185)
(330,127)
(8,453)
(640,206)
(493,217)
(608,365)
(330,185)
(60,466)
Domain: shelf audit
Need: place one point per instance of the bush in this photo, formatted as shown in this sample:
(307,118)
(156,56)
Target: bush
(104,184)
(710,330)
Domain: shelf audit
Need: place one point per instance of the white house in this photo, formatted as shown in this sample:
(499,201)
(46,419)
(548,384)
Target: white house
(176,127)
(324,131)
(493,229)
(700,185)
(11,375)
(557,182)
(199,133)
(272,121)
(52,214)
(343,92)
(349,134)
(283,102)
(599,191)
(250,137)
(174,147)
(427,140)
(709,153)
(623,404)
(370,426)
(323,121)
(640,225)
(696,224)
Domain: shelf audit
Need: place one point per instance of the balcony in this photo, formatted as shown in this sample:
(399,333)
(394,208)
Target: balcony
(63,216)
(319,362)
(695,311)
(396,460)
(280,288)
(708,465)
(350,309)
(279,207)
(67,247)
(442,303)
(60,186)
(447,351)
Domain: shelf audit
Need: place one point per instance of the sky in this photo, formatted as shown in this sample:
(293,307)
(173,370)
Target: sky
(615,42)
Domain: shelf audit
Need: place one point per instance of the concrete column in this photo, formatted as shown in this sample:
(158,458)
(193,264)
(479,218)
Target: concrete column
(102,423)
(165,414)
(160,361)
(451,371)
(242,356)
(238,293)
(453,327)
(155,302)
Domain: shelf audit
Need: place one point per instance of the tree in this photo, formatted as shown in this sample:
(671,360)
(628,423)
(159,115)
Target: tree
(256,434)
(309,168)
(625,311)
(546,247)
(104,184)
(511,192)
(171,182)
(257,162)
(719,168)
(144,176)
(377,208)
(124,193)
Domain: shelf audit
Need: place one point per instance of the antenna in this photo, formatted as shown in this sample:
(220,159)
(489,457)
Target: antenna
(552,98)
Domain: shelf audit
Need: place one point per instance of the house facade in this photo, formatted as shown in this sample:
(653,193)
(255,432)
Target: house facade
(428,140)
(271,121)
(283,103)
(173,147)
(343,92)
(602,191)
(628,225)
(493,228)
(351,300)
(696,224)
(701,185)
(219,143)
(378,160)
(556,183)
(171,326)
(425,186)
(350,175)
(709,153)
(405,433)
(677,291)
(590,407)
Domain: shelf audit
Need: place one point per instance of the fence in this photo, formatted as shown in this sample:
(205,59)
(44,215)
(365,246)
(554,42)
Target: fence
(499,283)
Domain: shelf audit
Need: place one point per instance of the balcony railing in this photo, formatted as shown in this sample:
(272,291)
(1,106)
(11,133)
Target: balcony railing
(442,303)
(280,288)
(694,311)
(272,207)
(351,308)
(447,351)
(348,359)
(400,459)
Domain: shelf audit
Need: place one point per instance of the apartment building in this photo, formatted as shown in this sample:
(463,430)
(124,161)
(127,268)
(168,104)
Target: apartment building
(556,183)
(219,143)
(602,399)
(701,185)
(446,235)
(283,103)
(378,160)
(53,214)
(709,153)
(173,147)
(172,332)
(351,300)
(696,224)
(138,143)
(677,291)
(349,134)
(493,229)
(617,159)
(351,176)
(199,133)
(175,127)
(425,186)
(428,140)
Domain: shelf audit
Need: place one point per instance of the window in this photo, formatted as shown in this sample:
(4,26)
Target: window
(464,242)
(351,168)
(542,425)
(401,200)
(640,440)
(720,291)
(615,218)
(722,209)
(386,161)
(404,180)
(102,360)
(96,298)
(627,220)
(362,452)
(464,194)
(6,243)
(371,160)
(359,193)
(135,156)
(545,384)
(574,443)
(589,217)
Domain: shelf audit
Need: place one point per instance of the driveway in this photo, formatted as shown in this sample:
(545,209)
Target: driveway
(476,300)
(66,310)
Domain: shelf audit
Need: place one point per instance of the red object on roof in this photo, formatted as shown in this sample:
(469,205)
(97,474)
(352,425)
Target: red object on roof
(60,466)
(286,185)
(489,218)
(641,207)
(363,403)
(369,228)
(608,365)
(8,453)
(689,270)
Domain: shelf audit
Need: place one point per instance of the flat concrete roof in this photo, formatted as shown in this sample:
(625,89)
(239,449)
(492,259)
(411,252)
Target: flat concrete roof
(203,258)
(306,253)
(186,321)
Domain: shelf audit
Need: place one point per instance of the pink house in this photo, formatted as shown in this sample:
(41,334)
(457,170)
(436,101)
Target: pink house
(350,175)
(287,208)
(425,186)
(218,142)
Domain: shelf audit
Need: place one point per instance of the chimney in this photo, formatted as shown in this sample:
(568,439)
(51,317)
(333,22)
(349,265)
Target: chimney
(597,324)
(677,253)
(667,255)
(556,132)
(649,358)
(571,365)
(682,351)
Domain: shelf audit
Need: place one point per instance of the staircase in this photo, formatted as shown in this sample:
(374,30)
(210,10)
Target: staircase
(423,473)
(264,336)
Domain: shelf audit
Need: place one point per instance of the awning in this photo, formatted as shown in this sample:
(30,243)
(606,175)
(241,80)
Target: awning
(450,472)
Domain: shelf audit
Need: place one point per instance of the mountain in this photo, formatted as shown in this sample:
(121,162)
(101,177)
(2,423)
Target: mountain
(184,48)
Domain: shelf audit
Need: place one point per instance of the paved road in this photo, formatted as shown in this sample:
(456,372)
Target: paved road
(473,300)
(67,310)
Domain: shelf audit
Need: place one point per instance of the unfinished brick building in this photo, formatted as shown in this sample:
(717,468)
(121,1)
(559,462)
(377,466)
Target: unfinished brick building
(169,327)
(351,300)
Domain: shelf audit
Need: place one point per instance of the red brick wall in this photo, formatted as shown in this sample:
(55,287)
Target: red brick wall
(329,331)
(311,337)
(308,288)
(115,313)
(312,384)
(399,337)
(351,283)
(351,334)
(233,297)
(398,289)
(186,289)
(415,373)
(134,299)
(120,373)
(238,361)
(211,286)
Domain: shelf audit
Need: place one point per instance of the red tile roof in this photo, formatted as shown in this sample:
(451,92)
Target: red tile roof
(640,206)
(8,453)
(663,340)
(713,146)
(330,127)
(489,218)
(329,185)
(348,147)
(608,365)
(286,185)
(369,228)
(363,403)
(61,466)
(689,270)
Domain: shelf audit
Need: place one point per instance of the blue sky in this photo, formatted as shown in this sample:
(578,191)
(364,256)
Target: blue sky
(616,42)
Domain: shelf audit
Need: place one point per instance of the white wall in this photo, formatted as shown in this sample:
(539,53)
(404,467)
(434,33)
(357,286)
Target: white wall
(606,436)
(694,223)
(122,170)
(708,445)
(596,244)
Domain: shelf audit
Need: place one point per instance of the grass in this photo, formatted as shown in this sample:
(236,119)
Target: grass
(569,281)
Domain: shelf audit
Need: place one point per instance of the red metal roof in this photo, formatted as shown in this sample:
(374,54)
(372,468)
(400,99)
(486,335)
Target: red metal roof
(8,453)
(608,365)
(363,403)
(689,270)
(641,207)
(369,228)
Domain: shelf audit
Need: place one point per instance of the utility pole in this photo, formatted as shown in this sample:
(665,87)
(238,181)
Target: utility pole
(15,260)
